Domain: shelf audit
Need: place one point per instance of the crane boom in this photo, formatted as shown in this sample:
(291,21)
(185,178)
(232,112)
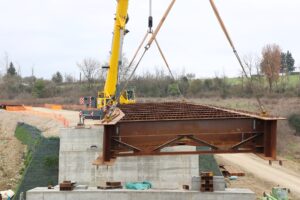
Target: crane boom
(109,94)
(115,59)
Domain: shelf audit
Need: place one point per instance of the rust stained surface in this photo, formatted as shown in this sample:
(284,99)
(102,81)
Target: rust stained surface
(149,128)
(183,111)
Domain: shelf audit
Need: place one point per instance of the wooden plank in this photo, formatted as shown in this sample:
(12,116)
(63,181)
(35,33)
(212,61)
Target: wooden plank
(233,171)
(113,184)
(109,187)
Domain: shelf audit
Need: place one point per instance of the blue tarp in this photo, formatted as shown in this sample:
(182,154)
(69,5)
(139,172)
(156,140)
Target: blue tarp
(138,185)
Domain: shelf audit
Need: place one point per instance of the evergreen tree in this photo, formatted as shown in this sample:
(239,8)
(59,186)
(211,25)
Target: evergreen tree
(57,78)
(283,66)
(290,62)
(11,70)
(287,63)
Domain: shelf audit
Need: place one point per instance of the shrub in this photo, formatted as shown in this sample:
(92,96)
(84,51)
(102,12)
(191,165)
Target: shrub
(294,121)
(51,161)
(173,89)
(39,88)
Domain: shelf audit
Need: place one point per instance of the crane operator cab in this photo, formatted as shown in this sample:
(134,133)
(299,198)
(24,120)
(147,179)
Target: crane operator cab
(127,97)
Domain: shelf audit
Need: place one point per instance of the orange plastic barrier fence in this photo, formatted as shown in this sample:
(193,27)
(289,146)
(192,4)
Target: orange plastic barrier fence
(54,116)
(15,108)
(28,107)
(53,106)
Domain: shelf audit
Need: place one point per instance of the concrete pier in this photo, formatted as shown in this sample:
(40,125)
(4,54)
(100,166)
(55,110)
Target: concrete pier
(79,147)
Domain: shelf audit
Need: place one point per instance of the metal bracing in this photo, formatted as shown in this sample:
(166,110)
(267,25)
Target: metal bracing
(147,129)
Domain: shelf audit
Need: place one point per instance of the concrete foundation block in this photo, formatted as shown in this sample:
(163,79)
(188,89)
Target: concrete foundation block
(219,183)
(196,183)
(123,194)
(164,172)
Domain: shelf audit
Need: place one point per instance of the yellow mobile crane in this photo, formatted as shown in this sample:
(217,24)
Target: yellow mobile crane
(111,95)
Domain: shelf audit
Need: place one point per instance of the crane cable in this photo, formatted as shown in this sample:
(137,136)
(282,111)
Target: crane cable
(136,53)
(146,48)
(150,25)
(164,58)
(217,14)
(150,31)
(168,66)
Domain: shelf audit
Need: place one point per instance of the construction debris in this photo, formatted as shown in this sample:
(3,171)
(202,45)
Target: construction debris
(228,171)
(186,187)
(207,184)
(111,185)
(7,194)
(67,186)
(138,185)
(278,193)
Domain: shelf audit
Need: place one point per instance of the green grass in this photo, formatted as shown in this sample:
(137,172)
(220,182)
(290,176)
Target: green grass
(291,80)
(22,134)
(294,80)
(234,81)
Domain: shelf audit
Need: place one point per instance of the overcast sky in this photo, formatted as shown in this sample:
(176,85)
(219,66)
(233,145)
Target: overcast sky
(53,35)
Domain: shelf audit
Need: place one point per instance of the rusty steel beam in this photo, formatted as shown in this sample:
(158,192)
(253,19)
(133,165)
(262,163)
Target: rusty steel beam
(202,142)
(169,143)
(204,152)
(146,129)
(127,145)
(245,141)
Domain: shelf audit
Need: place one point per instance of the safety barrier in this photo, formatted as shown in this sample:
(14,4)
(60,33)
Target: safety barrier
(15,108)
(53,106)
(57,117)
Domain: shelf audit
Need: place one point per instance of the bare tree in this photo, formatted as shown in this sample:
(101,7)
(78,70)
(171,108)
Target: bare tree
(191,76)
(251,62)
(4,63)
(271,62)
(124,69)
(252,66)
(6,60)
(68,78)
(102,73)
(89,68)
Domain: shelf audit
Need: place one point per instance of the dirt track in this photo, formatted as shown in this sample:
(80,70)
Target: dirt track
(275,174)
